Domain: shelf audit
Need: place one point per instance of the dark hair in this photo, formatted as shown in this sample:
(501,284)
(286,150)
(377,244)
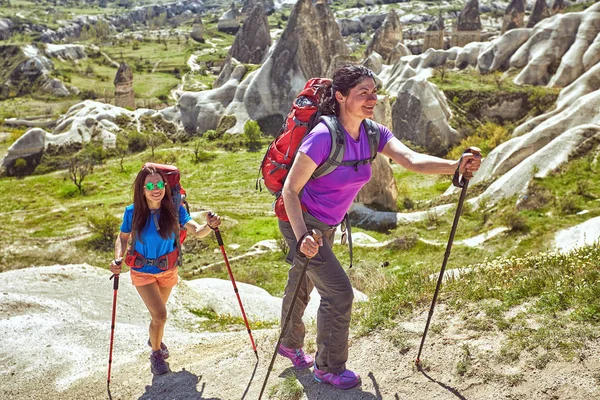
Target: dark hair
(344,78)
(167,219)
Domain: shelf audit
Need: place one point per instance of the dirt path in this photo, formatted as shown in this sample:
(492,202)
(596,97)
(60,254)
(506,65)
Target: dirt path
(55,327)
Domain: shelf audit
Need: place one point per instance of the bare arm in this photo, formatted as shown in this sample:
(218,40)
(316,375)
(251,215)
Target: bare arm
(120,249)
(301,171)
(417,162)
(203,230)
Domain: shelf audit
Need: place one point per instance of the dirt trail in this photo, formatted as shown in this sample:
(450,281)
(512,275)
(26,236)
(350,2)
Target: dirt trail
(55,327)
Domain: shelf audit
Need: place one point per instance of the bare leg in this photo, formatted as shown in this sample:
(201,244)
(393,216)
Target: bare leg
(155,298)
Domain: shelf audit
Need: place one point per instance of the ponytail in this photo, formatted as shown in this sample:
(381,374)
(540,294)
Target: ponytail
(328,104)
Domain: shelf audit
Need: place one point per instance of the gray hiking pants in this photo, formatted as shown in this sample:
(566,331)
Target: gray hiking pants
(333,318)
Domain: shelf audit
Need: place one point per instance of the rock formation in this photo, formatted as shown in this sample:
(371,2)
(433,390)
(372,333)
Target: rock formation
(6,26)
(71,52)
(250,45)
(434,35)
(420,114)
(468,26)
(230,21)
(198,30)
(560,49)
(496,55)
(540,11)
(514,15)
(248,6)
(385,39)
(557,7)
(124,95)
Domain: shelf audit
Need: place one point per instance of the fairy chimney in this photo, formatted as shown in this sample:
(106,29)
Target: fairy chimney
(557,7)
(230,21)
(124,95)
(514,15)
(387,37)
(468,26)
(540,11)
(198,30)
(434,35)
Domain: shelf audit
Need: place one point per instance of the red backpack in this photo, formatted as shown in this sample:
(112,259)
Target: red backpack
(302,118)
(178,195)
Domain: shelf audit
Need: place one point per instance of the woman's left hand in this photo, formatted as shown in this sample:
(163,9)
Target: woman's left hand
(213,220)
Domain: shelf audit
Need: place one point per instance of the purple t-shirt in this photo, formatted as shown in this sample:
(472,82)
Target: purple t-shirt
(329,197)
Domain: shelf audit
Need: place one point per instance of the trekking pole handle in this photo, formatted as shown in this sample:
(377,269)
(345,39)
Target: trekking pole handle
(315,233)
(118,261)
(216,230)
(459,181)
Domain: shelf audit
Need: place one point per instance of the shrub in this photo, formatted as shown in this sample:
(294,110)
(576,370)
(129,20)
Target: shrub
(20,167)
(104,231)
(226,122)
(535,198)
(136,142)
(213,134)
(135,45)
(568,204)
(515,221)
(252,135)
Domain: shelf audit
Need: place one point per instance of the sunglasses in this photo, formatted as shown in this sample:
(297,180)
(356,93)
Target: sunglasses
(151,186)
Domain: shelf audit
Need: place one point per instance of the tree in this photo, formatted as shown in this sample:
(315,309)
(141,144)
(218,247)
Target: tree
(78,170)
(155,139)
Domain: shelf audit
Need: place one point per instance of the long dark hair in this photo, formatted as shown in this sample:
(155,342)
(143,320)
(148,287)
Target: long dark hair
(167,219)
(344,78)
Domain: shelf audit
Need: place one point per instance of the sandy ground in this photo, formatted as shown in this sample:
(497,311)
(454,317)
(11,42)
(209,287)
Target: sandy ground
(55,324)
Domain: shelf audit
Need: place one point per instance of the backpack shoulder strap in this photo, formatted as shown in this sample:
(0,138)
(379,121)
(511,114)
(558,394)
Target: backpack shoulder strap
(338,147)
(374,135)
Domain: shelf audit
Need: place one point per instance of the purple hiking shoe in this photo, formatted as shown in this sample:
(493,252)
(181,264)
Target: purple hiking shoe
(158,365)
(343,380)
(297,356)
(163,349)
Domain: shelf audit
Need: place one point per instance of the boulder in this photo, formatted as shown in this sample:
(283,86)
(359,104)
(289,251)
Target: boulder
(514,15)
(420,114)
(385,39)
(399,51)
(6,26)
(374,62)
(71,52)
(380,192)
(29,147)
(540,11)
(198,30)
(229,22)
(496,55)
(350,26)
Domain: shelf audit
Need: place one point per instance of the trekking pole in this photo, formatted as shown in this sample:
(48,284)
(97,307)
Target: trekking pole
(464,183)
(235,289)
(112,324)
(316,234)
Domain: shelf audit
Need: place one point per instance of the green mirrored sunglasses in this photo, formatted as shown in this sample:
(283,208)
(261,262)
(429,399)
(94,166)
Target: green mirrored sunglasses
(151,186)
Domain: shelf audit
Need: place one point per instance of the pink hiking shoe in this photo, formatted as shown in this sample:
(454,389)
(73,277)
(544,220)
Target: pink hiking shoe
(299,359)
(343,380)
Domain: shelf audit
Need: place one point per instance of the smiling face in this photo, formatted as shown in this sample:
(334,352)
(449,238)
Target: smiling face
(154,196)
(360,101)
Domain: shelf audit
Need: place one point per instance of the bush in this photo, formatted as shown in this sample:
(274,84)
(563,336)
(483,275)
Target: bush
(252,135)
(104,231)
(136,142)
(515,221)
(213,134)
(20,167)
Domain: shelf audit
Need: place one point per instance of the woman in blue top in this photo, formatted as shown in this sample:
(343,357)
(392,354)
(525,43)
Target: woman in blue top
(153,222)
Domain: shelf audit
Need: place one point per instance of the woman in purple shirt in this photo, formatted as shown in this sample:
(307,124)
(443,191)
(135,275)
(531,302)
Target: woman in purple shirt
(321,203)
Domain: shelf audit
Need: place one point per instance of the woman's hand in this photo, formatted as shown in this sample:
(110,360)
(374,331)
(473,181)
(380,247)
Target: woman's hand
(115,266)
(213,220)
(470,162)
(310,246)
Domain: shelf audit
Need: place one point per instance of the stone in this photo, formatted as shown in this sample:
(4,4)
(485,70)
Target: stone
(496,55)
(30,147)
(248,6)
(229,22)
(71,52)
(420,114)
(558,6)
(124,94)
(350,26)
(434,35)
(540,11)
(6,26)
(514,15)
(385,39)
(380,192)
(198,30)
(468,26)
(374,62)
(399,51)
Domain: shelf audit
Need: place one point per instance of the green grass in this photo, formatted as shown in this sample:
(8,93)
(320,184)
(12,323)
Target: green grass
(211,321)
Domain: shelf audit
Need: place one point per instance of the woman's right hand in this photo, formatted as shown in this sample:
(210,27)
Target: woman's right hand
(310,246)
(115,266)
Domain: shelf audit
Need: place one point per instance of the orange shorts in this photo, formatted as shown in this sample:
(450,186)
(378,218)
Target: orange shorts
(169,278)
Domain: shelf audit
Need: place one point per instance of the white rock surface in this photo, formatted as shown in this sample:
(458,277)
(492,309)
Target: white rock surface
(580,235)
